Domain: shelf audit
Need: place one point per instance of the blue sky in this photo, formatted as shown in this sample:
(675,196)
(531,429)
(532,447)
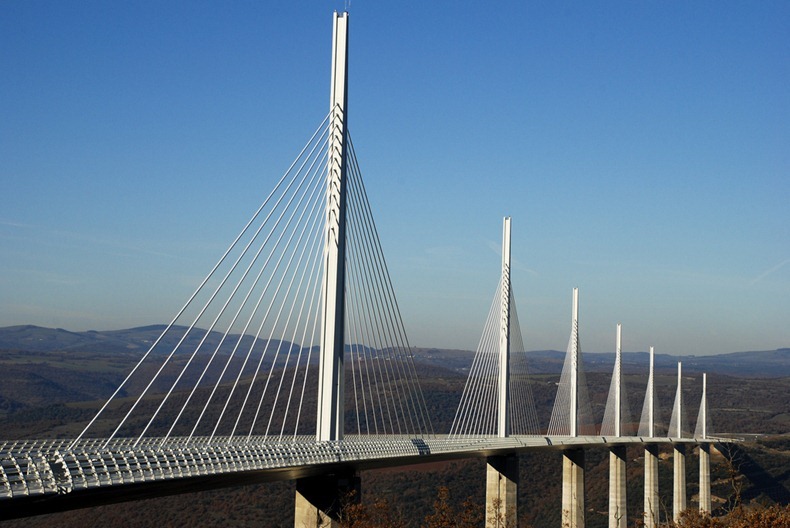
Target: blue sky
(642,149)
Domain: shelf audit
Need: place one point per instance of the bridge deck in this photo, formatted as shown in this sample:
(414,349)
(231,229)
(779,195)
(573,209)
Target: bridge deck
(40,468)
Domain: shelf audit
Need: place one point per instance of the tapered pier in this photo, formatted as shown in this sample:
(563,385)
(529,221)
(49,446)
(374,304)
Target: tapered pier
(573,488)
(618,517)
(652,508)
(319,500)
(704,478)
(679,486)
(502,491)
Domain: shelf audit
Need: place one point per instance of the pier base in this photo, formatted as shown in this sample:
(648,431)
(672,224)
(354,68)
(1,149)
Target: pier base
(573,488)
(651,506)
(617,488)
(679,488)
(319,499)
(704,478)
(502,491)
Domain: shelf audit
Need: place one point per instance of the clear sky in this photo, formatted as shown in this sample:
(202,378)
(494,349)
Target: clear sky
(642,149)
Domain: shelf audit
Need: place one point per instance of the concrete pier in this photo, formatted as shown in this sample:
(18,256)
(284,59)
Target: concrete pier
(651,506)
(617,488)
(319,499)
(679,488)
(502,491)
(573,488)
(704,478)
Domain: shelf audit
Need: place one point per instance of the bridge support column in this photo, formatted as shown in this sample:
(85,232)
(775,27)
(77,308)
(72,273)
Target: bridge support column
(679,488)
(573,488)
(651,508)
(319,499)
(502,491)
(617,488)
(704,478)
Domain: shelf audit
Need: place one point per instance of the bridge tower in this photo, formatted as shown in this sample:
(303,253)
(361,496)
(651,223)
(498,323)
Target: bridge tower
(318,499)
(704,451)
(679,454)
(329,425)
(617,454)
(502,470)
(651,504)
(573,459)
(503,422)
(574,398)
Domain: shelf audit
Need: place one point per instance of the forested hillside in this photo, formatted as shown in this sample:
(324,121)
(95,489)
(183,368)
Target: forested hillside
(55,390)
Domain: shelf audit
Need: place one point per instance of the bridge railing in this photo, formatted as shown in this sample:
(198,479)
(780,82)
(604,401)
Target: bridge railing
(41,467)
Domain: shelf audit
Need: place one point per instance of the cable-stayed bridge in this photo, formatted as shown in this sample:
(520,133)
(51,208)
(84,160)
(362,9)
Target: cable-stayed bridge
(313,376)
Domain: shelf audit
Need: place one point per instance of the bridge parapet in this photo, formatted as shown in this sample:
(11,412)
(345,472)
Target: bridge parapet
(49,467)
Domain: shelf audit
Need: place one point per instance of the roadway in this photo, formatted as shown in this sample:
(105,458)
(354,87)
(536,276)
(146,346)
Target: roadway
(46,476)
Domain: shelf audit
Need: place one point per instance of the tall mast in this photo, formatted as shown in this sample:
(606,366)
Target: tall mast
(575,364)
(704,406)
(330,383)
(617,382)
(679,430)
(651,392)
(503,428)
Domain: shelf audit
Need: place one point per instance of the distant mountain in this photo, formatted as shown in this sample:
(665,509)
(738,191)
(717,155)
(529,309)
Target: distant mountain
(769,363)
(134,341)
(39,339)
(763,363)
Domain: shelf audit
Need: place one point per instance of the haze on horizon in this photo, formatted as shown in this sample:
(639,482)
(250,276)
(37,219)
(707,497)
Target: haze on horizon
(641,151)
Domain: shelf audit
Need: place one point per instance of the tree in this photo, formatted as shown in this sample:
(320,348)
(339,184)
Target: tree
(379,514)
(775,516)
(443,515)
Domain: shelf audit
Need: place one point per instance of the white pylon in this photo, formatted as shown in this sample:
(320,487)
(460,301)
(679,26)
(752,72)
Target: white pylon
(701,428)
(503,422)
(329,423)
(649,416)
(676,421)
(574,396)
(617,411)
(618,381)
(571,414)
(651,392)
(680,401)
(704,406)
